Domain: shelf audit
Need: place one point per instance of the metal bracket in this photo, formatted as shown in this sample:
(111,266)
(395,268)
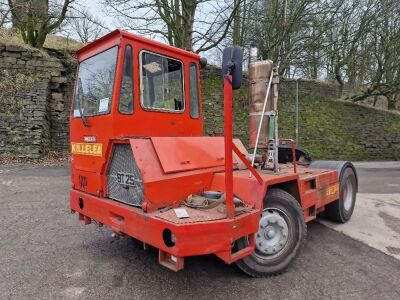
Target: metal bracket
(170,261)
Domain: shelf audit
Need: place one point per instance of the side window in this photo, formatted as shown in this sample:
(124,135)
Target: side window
(125,105)
(161,83)
(194,91)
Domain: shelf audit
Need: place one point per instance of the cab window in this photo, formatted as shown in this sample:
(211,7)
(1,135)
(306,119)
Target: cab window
(194,91)
(161,83)
(94,85)
(125,105)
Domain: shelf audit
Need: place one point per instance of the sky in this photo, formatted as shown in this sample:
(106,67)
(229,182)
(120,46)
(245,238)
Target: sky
(97,9)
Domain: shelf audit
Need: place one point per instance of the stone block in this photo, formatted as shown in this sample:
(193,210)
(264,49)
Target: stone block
(37,54)
(38,113)
(11,54)
(52,64)
(55,73)
(11,60)
(59,80)
(57,96)
(12,48)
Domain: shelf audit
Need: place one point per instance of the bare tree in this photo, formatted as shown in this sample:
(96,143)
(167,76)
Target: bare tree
(346,41)
(4,13)
(35,19)
(383,76)
(81,24)
(240,28)
(187,24)
(276,27)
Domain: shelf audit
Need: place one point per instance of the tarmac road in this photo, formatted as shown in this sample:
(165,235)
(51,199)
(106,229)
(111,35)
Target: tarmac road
(46,253)
(376,217)
(379,177)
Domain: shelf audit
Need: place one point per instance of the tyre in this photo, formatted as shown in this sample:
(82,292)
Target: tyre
(342,209)
(281,235)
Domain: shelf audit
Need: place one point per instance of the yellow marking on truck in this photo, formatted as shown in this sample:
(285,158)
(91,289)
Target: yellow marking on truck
(93,149)
(332,190)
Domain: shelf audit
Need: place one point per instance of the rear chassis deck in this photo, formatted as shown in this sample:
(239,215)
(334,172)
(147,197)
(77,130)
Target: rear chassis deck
(206,231)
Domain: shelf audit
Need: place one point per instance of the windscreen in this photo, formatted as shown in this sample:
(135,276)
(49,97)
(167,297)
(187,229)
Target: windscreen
(94,85)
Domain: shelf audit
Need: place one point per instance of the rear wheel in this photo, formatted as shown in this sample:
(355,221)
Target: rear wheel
(281,234)
(342,209)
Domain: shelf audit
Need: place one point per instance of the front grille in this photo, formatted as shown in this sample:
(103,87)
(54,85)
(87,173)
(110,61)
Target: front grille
(123,162)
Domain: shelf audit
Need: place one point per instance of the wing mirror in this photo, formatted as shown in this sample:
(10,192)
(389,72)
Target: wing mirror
(232,59)
(203,62)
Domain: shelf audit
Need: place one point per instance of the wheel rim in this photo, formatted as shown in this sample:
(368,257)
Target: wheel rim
(273,233)
(347,195)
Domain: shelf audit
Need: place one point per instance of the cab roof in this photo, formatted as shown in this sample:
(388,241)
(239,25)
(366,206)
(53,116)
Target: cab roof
(115,37)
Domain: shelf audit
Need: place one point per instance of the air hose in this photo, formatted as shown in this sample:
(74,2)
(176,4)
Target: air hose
(201,202)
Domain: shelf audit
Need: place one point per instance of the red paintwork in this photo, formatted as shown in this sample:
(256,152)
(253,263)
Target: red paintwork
(175,160)
(228,145)
(162,189)
(188,153)
(142,123)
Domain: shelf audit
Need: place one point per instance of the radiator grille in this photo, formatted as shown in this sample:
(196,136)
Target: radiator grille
(122,161)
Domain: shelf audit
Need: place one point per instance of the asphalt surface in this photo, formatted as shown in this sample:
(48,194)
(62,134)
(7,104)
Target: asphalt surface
(378,177)
(45,253)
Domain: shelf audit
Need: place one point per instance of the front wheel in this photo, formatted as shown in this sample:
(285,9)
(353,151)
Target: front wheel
(281,234)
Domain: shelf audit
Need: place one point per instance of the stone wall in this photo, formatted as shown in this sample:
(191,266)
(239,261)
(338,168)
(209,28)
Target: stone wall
(341,130)
(328,128)
(34,101)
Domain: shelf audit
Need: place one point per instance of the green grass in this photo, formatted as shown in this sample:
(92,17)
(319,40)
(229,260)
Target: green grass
(56,42)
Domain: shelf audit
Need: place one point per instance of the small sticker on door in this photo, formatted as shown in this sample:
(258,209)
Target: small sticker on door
(77,113)
(103,105)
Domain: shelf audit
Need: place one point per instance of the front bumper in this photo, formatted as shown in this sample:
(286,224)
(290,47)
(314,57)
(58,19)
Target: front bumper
(192,238)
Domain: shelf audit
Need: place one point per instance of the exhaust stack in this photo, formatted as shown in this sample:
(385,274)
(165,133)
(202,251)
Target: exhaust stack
(259,75)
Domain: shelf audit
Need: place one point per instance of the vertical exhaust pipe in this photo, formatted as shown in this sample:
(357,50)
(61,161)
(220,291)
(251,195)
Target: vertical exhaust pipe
(263,95)
(259,77)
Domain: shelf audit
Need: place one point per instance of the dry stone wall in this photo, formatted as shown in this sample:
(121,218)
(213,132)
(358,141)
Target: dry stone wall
(34,101)
(328,129)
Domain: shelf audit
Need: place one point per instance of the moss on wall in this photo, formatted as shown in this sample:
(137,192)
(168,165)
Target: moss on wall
(328,129)
(331,129)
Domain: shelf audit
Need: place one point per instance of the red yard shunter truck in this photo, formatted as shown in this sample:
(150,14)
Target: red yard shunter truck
(142,167)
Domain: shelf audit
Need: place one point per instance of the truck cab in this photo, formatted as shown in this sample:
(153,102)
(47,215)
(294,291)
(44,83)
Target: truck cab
(141,166)
(128,86)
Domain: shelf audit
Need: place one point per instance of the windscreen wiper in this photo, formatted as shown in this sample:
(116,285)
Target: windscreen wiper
(80,94)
